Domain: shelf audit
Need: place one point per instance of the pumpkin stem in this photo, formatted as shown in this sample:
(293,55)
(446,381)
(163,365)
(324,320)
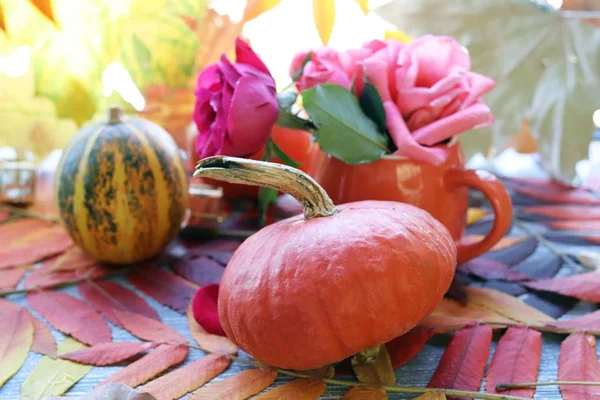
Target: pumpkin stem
(369,355)
(314,199)
(115,115)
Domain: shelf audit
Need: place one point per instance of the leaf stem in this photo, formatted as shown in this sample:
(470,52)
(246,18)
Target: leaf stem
(508,386)
(391,388)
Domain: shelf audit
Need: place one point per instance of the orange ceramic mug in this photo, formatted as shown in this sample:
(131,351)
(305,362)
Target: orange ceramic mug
(441,190)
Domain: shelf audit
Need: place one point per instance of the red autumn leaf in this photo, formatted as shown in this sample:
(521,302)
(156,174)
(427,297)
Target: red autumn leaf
(43,276)
(575,225)
(504,243)
(204,306)
(200,270)
(108,353)
(462,364)
(210,342)
(15,342)
(506,305)
(35,246)
(72,259)
(559,196)
(587,322)
(470,311)
(445,324)
(70,316)
(43,341)
(516,359)
(241,386)
(491,269)
(148,328)
(578,361)
(10,277)
(571,213)
(514,254)
(4,215)
(583,286)
(298,389)
(106,296)
(15,231)
(222,257)
(539,184)
(164,287)
(404,348)
(188,378)
(149,366)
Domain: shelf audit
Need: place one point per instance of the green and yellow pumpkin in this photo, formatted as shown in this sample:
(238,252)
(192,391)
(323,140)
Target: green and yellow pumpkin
(121,189)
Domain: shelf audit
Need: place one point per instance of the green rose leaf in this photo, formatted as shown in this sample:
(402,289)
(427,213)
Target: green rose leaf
(286,119)
(277,152)
(372,105)
(343,129)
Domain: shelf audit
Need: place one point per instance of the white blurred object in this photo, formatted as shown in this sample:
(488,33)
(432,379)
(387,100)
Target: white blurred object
(510,163)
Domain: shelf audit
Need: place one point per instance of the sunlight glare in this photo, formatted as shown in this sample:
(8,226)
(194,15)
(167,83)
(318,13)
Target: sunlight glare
(17,63)
(115,77)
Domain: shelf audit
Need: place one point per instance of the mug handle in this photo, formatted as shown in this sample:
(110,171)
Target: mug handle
(496,194)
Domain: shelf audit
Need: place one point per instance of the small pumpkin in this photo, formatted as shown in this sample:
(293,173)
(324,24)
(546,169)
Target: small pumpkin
(335,282)
(121,189)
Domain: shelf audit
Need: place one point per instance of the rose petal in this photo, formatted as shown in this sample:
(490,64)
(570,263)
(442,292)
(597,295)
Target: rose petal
(228,71)
(476,115)
(435,57)
(480,85)
(297,61)
(245,55)
(410,99)
(209,77)
(205,310)
(252,114)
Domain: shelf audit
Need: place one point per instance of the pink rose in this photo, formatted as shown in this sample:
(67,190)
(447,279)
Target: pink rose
(429,93)
(235,105)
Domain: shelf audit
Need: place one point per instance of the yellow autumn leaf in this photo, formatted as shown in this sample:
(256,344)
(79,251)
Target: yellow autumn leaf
(15,342)
(324,15)
(29,121)
(364,5)
(398,35)
(257,7)
(54,376)
(475,214)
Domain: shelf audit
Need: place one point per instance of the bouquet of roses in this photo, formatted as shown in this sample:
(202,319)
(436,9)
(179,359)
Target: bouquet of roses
(387,97)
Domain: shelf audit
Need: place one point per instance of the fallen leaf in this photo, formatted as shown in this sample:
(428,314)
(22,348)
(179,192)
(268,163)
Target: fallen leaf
(582,286)
(590,259)
(504,243)
(365,393)
(14,231)
(148,328)
(506,305)
(511,288)
(149,366)
(43,341)
(516,359)
(491,269)
(575,225)
(221,257)
(15,342)
(586,322)
(324,16)
(254,8)
(298,389)
(446,324)
(54,376)
(470,311)
(578,361)
(35,246)
(457,287)
(404,348)
(210,342)
(462,364)
(200,270)
(519,251)
(241,386)
(540,267)
(110,391)
(378,372)
(73,258)
(10,277)
(563,212)
(43,277)
(106,296)
(562,196)
(188,378)
(108,353)
(431,396)
(552,304)
(70,316)
(164,287)
(4,215)
(475,214)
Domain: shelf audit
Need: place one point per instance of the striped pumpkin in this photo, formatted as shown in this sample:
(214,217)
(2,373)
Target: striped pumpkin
(121,189)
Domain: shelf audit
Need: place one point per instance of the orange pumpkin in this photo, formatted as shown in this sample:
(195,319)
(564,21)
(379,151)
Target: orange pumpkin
(312,290)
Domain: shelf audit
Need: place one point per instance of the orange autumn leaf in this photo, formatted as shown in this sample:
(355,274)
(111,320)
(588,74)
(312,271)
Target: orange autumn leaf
(15,342)
(470,311)
(298,389)
(524,142)
(70,316)
(241,386)
(504,243)
(42,277)
(208,341)
(149,366)
(35,246)
(188,378)
(45,7)
(431,396)
(257,7)
(324,16)
(506,305)
(14,231)
(2,20)
(148,328)
(108,353)
(106,297)
(43,341)
(365,393)
(73,258)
